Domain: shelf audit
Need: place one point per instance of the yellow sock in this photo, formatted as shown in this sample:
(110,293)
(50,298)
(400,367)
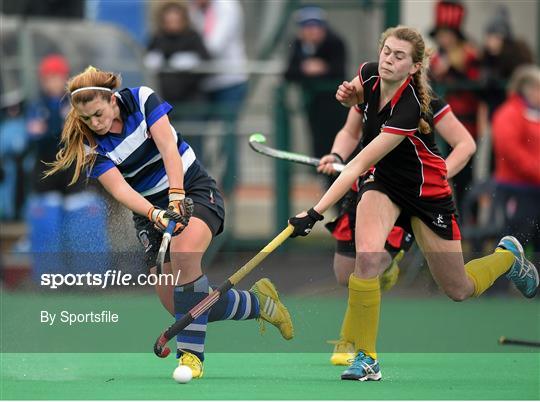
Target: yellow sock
(364,307)
(484,271)
(347,326)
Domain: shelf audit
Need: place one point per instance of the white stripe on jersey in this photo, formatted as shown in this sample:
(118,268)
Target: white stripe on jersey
(138,136)
(154,159)
(440,111)
(129,144)
(144,94)
(187,160)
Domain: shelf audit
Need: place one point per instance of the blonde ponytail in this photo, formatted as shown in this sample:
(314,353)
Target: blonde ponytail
(425,95)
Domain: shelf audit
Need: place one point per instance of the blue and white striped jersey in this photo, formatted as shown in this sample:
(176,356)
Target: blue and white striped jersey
(133,151)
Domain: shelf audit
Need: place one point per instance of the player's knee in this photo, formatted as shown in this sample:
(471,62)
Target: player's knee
(368,246)
(371,260)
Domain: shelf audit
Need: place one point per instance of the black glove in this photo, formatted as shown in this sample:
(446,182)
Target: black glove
(302,226)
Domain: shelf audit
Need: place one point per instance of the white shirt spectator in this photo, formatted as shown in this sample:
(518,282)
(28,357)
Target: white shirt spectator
(221,25)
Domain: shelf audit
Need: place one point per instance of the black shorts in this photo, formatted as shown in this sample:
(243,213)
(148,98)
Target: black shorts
(208,206)
(438,214)
(343,227)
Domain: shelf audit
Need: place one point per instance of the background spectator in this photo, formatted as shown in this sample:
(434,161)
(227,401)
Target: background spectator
(45,121)
(60,215)
(456,62)
(502,53)
(516,136)
(317,62)
(176,48)
(13,144)
(221,24)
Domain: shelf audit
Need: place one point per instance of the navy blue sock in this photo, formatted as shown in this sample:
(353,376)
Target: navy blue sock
(191,339)
(235,305)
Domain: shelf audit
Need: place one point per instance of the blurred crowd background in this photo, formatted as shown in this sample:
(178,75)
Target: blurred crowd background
(231,68)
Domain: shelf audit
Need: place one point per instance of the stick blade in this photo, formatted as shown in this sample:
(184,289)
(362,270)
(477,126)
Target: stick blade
(257,137)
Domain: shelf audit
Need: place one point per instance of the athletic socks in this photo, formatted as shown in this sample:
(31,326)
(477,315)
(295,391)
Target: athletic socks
(191,338)
(347,326)
(484,271)
(235,305)
(363,307)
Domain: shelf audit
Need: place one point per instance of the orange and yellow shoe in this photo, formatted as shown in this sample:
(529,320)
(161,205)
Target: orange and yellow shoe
(193,362)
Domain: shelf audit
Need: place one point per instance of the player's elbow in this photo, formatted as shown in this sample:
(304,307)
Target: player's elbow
(470,147)
(466,148)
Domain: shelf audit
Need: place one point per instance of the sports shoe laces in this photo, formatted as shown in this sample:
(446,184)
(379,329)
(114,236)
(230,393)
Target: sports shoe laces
(191,360)
(359,363)
(524,269)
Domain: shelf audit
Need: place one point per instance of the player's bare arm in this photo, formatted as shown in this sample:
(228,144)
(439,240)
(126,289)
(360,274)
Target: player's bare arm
(345,143)
(350,93)
(115,184)
(461,141)
(162,135)
(369,156)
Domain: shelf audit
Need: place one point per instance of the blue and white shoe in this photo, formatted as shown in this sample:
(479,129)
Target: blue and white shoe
(523,272)
(363,368)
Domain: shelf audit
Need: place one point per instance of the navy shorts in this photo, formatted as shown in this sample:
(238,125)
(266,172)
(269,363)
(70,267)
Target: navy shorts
(208,206)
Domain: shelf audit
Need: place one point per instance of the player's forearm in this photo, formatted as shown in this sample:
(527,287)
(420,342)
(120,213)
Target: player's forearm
(173,166)
(344,144)
(459,157)
(128,197)
(337,190)
(345,180)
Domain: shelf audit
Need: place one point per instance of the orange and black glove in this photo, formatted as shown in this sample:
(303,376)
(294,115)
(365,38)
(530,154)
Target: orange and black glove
(160,218)
(179,204)
(179,210)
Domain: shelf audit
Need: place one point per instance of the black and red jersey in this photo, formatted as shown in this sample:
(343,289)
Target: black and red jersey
(415,166)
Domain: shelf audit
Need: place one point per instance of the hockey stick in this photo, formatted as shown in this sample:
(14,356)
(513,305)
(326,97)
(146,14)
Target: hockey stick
(164,246)
(506,341)
(257,142)
(160,346)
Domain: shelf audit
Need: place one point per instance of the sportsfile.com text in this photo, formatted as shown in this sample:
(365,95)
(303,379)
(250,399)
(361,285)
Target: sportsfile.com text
(106,279)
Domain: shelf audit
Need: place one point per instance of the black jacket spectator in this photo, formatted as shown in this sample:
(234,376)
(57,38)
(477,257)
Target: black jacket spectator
(317,62)
(174,50)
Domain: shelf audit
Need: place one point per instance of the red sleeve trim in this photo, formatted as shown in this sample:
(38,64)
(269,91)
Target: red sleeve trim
(360,73)
(399,131)
(357,109)
(441,113)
